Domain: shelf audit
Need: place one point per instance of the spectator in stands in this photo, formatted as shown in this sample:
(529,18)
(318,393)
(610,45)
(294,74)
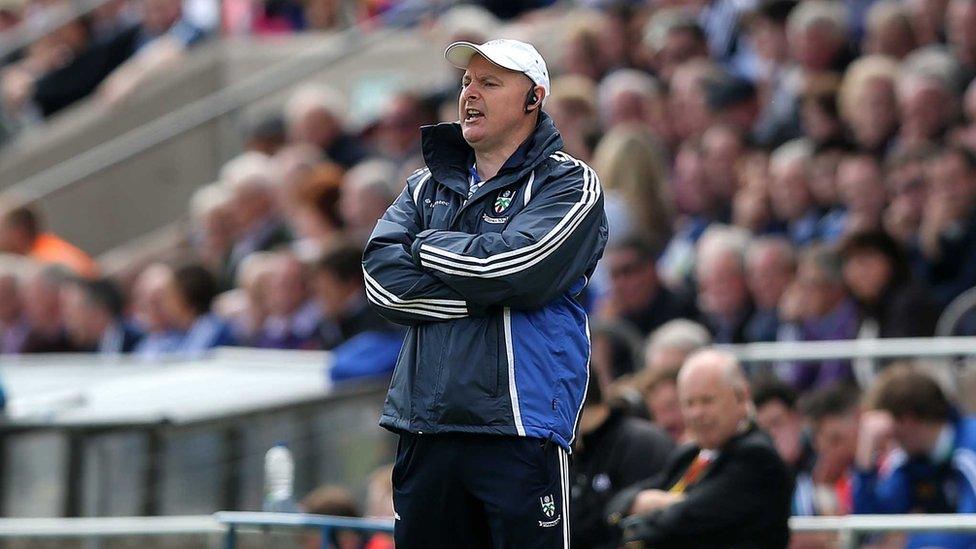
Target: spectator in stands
(164,35)
(337,284)
(313,209)
(817,307)
(777,414)
(790,168)
(22,233)
(396,129)
(931,470)
(948,229)
(890,301)
(635,293)
(379,503)
(664,353)
(615,354)
(213,225)
(333,501)
(861,188)
(907,195)
(149,302)
(834,415)
(770,268)
(189,295)
(293,318)
(367,191)
(314,115)
(722,146)
(889,30)
(613,451)
(267,135)
(723,294)
(629,96)
(93,317)
(248,307)
(659,388)
(927,100)
(689,96)
(733,103)
(13,322)
(696,209)
(631,167)
(669,345)
(251,183)
(868,103)
(673,37)
(728,488)
(42,302)
(573,107)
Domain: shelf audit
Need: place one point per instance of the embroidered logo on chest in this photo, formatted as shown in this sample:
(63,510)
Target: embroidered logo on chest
(504,200)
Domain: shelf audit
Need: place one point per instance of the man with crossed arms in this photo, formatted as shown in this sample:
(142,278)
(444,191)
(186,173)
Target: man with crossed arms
(484,256)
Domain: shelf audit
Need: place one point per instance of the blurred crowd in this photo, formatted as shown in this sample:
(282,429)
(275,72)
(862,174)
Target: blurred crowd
(774,170)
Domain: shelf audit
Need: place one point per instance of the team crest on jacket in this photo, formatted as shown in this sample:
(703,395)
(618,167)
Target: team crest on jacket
(548,505)
(503,201)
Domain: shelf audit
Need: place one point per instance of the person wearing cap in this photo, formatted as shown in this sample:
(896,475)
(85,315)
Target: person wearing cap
(484,256)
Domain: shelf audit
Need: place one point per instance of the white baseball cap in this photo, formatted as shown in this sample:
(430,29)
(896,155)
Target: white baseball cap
(507,54)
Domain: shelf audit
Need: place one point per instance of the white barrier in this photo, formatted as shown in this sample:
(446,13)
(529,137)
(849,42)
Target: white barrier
(848,527)
(109,527)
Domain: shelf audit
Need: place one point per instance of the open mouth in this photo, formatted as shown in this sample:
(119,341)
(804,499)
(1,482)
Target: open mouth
(471,115)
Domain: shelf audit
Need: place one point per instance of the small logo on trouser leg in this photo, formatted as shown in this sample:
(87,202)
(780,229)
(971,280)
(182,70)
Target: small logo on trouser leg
(548,505)
(549,509)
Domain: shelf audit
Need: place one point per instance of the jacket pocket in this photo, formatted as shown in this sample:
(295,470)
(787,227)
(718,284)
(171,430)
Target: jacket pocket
(469,387)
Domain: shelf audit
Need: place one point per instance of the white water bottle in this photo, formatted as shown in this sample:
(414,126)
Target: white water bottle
(279,478)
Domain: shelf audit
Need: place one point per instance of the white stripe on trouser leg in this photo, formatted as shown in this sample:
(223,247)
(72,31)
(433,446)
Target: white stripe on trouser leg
(564,489)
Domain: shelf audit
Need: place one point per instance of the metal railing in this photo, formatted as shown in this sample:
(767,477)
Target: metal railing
(931,347)
(229,525)
(849,528)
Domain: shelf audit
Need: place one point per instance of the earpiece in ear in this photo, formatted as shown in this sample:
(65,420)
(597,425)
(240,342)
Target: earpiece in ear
(531,99)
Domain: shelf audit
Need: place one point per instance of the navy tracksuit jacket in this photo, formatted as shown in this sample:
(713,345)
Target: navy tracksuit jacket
(498,342)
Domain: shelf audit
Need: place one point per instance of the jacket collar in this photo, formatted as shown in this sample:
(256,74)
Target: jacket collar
(448,155)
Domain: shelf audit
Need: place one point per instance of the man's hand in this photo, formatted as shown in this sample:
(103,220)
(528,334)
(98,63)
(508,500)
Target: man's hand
(649,501)
(877,429)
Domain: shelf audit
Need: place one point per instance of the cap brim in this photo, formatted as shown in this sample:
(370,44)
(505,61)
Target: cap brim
(459,54)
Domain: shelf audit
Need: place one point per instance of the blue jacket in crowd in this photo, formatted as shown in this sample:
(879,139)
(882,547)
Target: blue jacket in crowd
(498,341)
(942,483)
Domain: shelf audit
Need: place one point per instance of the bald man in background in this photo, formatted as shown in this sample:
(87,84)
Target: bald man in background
(727,488)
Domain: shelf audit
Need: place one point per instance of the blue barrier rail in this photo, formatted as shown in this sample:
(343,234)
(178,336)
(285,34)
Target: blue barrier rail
(235,520)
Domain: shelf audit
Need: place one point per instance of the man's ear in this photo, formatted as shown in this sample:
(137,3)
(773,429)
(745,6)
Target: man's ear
(534,101)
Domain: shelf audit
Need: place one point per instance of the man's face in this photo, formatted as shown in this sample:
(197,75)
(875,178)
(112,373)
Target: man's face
(835,439)
(722,288)
(769,275)
(633,281)
(711,407)
(496,98)
(664,405)
(910,432)
(949,178)
(861,187)
(784,426)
